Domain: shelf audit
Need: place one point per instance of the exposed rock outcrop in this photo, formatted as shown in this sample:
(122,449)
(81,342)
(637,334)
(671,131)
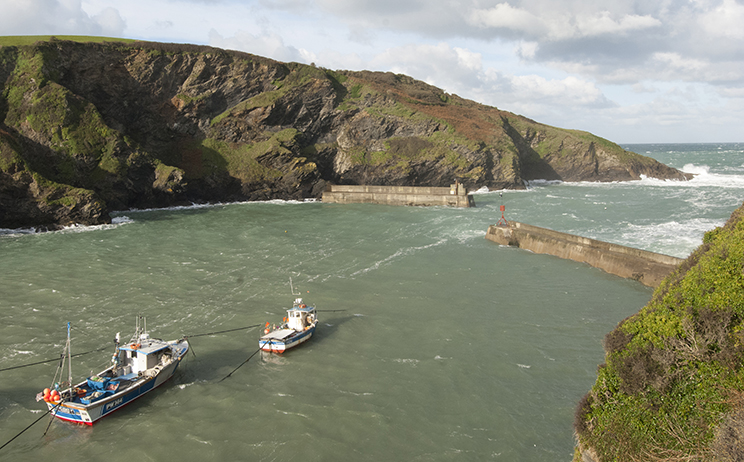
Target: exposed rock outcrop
(88,128)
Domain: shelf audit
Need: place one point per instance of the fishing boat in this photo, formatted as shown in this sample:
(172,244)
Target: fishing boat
(137,367)
(297,328)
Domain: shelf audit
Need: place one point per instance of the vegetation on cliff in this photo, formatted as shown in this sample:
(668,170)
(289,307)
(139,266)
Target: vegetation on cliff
(672,387)
(130,124)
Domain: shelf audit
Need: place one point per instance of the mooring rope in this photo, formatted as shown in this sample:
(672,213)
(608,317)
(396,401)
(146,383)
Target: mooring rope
(221,332)
(21,432)
(241,364)
(51,360)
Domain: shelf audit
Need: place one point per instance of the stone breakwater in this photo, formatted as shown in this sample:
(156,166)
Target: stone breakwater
(454,196)
(646,267)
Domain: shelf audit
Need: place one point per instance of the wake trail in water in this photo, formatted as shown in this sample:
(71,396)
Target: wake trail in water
(397,255)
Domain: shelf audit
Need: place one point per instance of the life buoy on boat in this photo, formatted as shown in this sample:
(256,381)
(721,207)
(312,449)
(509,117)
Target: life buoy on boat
(303,306)
(135,346)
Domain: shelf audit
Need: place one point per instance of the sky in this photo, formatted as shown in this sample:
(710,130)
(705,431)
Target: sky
(631,71)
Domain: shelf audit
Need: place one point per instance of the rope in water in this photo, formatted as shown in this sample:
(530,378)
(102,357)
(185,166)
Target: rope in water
(50,360)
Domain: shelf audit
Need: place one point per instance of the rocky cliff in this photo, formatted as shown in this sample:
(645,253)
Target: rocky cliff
(88,128)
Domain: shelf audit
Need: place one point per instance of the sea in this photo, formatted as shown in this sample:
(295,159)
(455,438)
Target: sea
(434,344)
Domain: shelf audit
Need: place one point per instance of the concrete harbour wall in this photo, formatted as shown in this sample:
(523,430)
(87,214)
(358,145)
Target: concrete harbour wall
(454,196)
(648,268)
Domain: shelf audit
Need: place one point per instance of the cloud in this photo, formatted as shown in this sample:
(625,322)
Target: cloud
(57,17)
(614,41)
(568,91)
(267,44)
(724,21)
(505,16)
(440,65)
(461,71)
(110,22)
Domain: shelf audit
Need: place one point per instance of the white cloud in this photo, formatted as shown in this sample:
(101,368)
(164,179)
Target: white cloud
(440,65)
(505,16)
(267,44)
(554,24)
(726,20)
(602,23)
(110,22)
(57,17)
(526,50)
(568,91)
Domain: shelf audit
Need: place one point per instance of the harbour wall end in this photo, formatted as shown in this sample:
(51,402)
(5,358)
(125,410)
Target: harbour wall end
(646,267)
(454,196)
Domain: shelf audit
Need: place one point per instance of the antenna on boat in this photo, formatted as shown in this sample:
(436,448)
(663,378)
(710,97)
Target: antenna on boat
(69,361)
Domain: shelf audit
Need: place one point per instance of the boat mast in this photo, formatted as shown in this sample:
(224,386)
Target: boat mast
(69,362)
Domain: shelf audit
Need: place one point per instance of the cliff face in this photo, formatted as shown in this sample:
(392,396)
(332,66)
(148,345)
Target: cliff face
(90,128)
(672,387)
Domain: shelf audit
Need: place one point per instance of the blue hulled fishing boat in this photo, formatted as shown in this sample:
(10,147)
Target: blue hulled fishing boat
(137,367)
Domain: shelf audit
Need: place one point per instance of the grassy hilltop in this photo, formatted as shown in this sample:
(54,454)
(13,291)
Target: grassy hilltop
(22,40)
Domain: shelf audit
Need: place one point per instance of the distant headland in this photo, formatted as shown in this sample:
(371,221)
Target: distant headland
(90,125)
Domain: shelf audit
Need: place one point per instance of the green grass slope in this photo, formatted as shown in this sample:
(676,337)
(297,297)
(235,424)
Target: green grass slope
(21,40)
(672,384)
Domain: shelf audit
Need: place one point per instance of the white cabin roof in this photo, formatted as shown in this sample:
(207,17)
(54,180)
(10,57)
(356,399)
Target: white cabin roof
(147,348)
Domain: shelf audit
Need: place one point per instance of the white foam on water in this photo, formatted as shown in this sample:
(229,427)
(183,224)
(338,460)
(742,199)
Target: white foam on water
(398,254)
(17,231)
(537,183)
(671,238)
(482,190)
(216,205)
(77,228)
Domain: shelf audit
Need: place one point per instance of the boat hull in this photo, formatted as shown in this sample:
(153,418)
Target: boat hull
(280,346)
(88,414)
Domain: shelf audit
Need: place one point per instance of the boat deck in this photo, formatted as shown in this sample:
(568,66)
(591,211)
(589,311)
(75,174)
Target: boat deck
(279,334)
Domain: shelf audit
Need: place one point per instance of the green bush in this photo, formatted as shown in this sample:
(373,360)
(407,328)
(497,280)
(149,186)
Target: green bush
(674,370)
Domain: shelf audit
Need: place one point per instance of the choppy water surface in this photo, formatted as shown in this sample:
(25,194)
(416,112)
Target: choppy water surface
(449,347)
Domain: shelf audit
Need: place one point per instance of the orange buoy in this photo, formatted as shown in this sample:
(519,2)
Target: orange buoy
(266,331)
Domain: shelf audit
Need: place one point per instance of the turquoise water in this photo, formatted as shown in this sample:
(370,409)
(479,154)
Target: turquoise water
(449,347)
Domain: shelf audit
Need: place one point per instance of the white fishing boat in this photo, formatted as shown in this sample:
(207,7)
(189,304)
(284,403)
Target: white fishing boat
(297,328)
(137,367)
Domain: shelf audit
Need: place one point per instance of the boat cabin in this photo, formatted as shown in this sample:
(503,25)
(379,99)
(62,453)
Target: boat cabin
(300,316)
(139,357)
